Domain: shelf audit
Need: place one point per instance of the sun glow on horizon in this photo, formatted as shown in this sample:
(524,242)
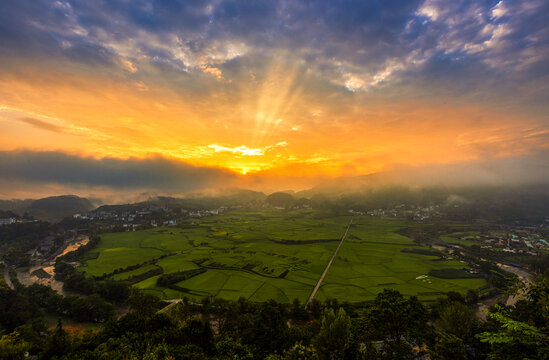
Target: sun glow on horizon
(303,97)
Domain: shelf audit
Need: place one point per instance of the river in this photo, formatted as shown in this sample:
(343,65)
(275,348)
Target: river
(26,277)
(509,300)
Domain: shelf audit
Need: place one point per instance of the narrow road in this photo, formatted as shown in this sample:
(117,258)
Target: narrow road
(328,266)
(171,304)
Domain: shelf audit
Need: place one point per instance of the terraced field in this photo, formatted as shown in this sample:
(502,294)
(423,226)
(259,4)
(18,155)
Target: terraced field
(278,255)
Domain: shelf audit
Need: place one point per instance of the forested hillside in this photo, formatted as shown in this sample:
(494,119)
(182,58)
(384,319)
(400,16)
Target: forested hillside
(390,327)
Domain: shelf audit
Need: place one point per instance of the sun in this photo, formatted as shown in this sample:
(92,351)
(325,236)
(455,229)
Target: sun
(243,170)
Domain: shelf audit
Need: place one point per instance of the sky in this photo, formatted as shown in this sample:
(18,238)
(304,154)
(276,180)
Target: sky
(176,96)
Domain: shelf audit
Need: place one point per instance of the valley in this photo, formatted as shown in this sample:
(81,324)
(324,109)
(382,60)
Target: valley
(276,255)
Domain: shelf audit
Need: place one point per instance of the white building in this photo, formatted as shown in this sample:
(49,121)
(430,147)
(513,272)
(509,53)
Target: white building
(7,221)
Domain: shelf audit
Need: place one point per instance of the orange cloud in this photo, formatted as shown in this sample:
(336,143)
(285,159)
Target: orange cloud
(268,124)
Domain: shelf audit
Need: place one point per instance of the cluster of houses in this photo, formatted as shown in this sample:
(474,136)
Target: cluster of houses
(144,217)
(513,241)
(129,216)
(16,220)
(412,212)
(7,221)
(517,241)
(204,213)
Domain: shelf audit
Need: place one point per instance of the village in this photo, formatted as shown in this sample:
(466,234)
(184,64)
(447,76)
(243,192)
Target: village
(410,212)
(521,241)
(143,217)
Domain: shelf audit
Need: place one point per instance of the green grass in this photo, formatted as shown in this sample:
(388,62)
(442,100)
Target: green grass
(371,260)
(138,271)
(176,263)
(119,250)
(246,253)
(466,238)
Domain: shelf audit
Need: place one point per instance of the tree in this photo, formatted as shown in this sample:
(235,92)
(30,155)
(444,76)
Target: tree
(520,331)
(399,323)
(332,339)
(395,316)
(12,347)
(300,352)
(228,349)
(315,307)
(471,297)
(298,312)
(145,304)
(454,296)
(31,333)
(199,332)
(157,352)
(115,291)
(15,309)
(268,331)
(458,319)
(448,347)
(537,296)
(57,344)
(99,309)
(515,339)
(361,343)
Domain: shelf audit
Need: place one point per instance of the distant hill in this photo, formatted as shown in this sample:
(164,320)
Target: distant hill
(348,184)
(57,207)
(53,208)
(230,197)
(280,199)
(16,205)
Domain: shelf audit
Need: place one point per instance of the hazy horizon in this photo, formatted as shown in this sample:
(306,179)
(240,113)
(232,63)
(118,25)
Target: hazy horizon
(27,176)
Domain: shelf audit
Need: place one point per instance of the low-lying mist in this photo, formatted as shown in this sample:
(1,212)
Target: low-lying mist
(28,174)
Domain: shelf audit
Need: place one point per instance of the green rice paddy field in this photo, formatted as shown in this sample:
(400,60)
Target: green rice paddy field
(276,255)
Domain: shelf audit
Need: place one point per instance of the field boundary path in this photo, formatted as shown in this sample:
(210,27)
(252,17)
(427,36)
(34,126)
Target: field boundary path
(329,264)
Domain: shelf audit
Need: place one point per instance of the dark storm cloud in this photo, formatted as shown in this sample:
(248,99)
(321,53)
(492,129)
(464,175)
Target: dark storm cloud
(481,50)
(151,173)
(457,46)
(46,30)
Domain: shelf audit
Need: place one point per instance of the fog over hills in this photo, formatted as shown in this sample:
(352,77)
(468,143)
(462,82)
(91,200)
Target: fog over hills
(51,208)
(496,181)
(520,171)
(467,202)
(34,175)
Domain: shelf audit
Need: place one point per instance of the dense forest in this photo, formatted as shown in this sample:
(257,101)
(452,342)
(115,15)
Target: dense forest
(390,327)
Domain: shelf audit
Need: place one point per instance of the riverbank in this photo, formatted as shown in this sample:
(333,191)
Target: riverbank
(27,276)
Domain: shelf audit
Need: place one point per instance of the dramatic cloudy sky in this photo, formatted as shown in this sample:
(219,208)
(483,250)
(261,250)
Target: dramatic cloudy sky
(182,95)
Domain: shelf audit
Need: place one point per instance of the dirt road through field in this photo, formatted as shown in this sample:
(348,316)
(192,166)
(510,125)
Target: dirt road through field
(328,266)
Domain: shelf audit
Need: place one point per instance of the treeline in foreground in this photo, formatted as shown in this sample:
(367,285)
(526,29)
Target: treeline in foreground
(390,327)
